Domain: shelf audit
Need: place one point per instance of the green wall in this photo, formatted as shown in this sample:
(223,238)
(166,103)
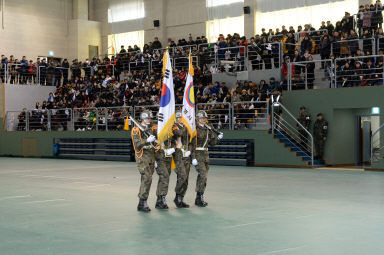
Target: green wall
(1,100)
(340,108)
(268,151)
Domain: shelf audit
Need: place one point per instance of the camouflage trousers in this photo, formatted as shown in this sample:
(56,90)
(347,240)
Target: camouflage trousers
(183,166)
(146,168)
(202,168)
(164,171)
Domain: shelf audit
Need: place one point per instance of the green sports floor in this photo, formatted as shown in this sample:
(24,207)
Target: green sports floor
(50,206)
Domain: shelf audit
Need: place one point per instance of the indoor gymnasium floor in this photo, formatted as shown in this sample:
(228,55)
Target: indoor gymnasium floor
(50,206)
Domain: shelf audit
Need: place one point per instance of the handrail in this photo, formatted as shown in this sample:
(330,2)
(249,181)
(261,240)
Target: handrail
(373,135)
(296,121)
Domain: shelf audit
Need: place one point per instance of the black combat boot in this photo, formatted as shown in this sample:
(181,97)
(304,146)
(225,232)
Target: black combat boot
(161,203)
(179,202)
(200,200)
(143,207)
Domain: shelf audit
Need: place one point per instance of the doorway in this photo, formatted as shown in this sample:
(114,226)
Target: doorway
(365,126)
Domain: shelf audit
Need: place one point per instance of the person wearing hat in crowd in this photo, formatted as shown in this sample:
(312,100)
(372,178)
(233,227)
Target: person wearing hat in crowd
(320,130)
(305,120)
(182,160)
(200,156)
(145,156)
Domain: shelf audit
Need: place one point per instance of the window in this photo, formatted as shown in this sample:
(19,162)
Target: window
(213,3)
(224,26)
(127,39)
(313,15)
(121,10)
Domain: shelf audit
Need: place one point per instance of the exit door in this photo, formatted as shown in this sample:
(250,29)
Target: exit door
(365,124)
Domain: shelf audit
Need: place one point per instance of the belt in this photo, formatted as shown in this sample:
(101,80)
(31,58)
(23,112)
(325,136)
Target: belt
(201,149)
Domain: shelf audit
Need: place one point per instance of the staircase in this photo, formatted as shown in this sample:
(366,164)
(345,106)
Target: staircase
(303,153)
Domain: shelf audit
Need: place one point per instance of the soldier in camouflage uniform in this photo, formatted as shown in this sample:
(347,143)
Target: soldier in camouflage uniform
(320,130)
(182,160)
(163,158)
(205,137)
(305,120)
(145,157)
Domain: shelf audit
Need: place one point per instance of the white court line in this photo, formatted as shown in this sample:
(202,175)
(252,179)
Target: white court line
(95,186)
(116,230)
(54,177)
(44,201)
(95,183)
(246,224)
(61,168)
(13,197)
(282,250)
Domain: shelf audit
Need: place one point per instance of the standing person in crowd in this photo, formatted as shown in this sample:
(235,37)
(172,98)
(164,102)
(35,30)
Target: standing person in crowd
(182,160)
(65,68)
(200,155)
(145,157)
(31,72)
(305,120)
(3,67)
(43,71)
(58,74)
(156,44)
(325,48)
(23,70)
(320,131)
(50,73)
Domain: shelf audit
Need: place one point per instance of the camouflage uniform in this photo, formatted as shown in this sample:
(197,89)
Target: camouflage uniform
(145,158)
(304,120)
(163,166)
(183,164)
(204,138)
(320,130)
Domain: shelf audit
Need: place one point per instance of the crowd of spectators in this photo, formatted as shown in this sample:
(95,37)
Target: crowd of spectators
(133,76)
(115,99)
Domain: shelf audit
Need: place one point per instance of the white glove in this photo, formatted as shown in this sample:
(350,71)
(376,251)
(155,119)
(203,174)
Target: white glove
(170,151)
(151,139)
(187,153)
(194,162)
(220,136)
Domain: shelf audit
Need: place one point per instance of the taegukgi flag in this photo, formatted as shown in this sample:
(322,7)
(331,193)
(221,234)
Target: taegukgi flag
(188,111)
(166,117)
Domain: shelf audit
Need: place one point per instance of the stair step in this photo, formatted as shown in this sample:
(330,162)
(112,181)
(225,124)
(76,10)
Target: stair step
(302,154)
(306,158)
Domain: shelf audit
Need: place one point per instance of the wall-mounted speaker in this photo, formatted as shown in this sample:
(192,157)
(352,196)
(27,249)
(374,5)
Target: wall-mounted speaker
(156,23)
(247,10)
